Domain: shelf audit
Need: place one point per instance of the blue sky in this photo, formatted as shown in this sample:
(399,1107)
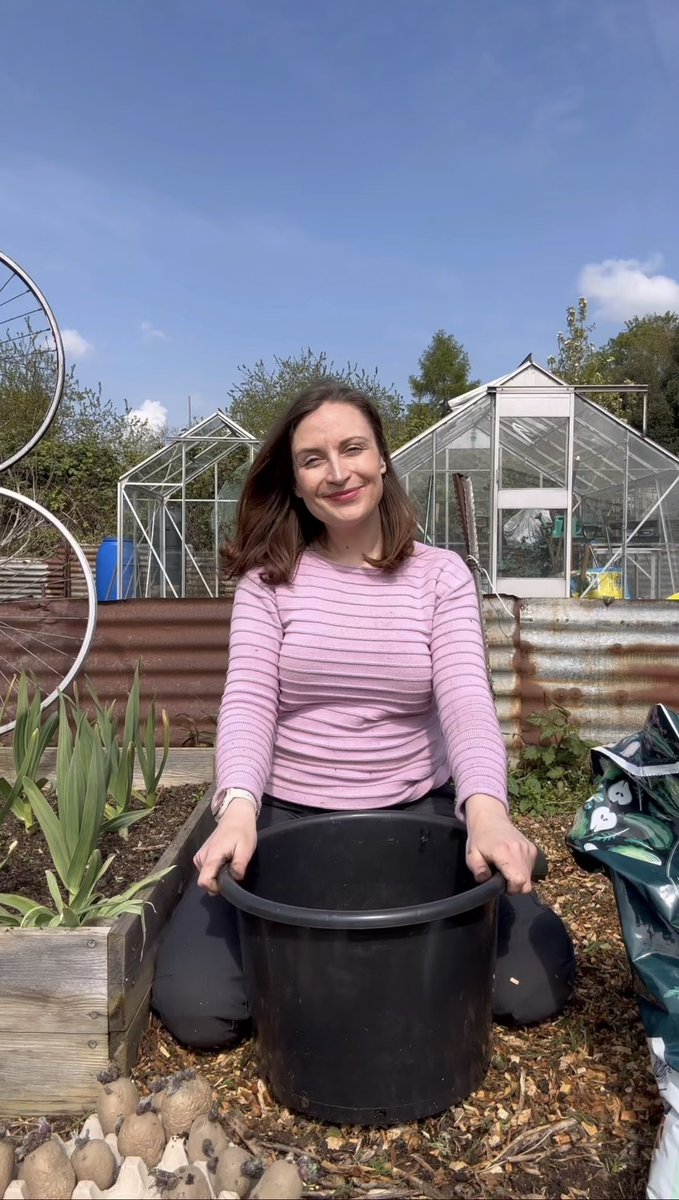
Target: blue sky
(200,183)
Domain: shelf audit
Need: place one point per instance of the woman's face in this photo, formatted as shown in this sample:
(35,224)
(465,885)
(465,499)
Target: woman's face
(337,464)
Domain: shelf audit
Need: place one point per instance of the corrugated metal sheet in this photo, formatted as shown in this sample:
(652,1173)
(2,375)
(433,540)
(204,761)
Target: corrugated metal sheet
(606,663)
(502,637)
(183,645)
(22,578)
(60,576)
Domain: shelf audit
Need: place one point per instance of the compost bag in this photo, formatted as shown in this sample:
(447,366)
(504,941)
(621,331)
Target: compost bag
(629,828)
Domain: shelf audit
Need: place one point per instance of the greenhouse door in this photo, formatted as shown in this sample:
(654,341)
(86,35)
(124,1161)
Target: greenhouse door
(532,486)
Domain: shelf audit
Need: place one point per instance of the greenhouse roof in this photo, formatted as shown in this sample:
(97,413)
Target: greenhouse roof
(186,457)
(603,449)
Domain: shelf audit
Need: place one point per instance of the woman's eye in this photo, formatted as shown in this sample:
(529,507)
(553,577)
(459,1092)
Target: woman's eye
(311,462)
(354,449)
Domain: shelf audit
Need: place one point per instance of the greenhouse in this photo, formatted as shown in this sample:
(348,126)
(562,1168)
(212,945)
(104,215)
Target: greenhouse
(176,508)
(569,500)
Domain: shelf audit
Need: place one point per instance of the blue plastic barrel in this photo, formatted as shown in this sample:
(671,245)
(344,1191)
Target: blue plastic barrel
(107,568)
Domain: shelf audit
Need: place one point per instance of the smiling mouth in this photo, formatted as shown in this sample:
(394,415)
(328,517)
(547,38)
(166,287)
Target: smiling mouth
(338,497)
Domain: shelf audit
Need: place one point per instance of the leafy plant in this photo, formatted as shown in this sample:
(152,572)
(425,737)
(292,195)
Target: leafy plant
(72,830)
(120,759)
(146,753)
(550,772)
(10,850)
(32,735)
(199,732)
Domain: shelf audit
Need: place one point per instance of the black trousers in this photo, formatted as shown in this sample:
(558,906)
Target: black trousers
(199,992)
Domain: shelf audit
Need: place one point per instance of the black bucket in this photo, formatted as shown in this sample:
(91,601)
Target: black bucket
(369,954)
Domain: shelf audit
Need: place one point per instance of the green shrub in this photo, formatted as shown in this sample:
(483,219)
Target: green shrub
(551,774)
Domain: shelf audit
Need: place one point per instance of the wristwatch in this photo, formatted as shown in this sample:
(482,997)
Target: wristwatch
(236,794)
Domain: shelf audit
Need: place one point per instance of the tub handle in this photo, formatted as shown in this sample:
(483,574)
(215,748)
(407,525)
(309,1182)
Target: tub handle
(541,867)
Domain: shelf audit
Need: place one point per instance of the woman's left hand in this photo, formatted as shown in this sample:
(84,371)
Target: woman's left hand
(492,840)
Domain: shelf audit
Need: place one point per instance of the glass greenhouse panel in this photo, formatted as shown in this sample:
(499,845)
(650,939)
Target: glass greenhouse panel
(533,452)
(531,543)
(420,487)
(599,448)
(179,504)
(470,429)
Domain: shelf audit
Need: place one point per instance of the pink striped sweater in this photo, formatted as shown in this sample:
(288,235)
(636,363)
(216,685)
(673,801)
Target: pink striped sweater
(352,688)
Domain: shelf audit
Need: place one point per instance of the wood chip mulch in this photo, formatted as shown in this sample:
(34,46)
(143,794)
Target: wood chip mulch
(568,1109)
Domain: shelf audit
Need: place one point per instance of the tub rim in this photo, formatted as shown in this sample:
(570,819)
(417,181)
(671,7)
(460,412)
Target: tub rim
(364,920)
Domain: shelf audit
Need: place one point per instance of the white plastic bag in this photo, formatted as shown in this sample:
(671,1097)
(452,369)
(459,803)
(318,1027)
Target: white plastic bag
(525,527)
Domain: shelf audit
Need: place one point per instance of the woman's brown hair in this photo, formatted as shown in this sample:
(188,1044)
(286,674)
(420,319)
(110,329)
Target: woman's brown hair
(273,526)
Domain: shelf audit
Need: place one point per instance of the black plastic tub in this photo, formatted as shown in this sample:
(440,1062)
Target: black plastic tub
(369,954)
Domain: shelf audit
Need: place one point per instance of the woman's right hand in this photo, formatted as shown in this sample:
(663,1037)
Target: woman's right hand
(233,841)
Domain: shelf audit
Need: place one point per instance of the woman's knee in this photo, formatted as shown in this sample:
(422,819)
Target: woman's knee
(535,969)
(198,988)
(191,1020)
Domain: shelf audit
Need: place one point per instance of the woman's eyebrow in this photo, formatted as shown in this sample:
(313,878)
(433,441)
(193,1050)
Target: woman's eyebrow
(344,442)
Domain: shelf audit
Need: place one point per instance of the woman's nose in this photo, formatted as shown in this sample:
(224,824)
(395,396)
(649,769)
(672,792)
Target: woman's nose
(337,471)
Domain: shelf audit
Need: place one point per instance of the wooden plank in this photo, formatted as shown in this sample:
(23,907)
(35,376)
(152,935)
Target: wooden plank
(185,764)
(54,981)
(123,1045)
(49,1072)
(131,954)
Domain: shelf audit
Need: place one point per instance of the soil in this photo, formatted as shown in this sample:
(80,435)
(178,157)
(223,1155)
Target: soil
(135,855)
(568,1109)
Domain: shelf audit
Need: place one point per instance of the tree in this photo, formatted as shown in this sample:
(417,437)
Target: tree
(444,374)
(645,352)
(262,394)
(74,469)
(578,360)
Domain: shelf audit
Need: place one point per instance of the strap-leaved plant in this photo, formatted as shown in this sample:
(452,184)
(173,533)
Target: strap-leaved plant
(32,735)
(119,759)
(72,830)
(146,751)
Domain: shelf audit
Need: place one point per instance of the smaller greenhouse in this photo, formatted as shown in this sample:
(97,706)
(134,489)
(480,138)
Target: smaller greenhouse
(176,508)
(569,500)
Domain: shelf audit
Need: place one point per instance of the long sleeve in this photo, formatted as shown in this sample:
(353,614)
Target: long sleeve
(471,730)
(249,710)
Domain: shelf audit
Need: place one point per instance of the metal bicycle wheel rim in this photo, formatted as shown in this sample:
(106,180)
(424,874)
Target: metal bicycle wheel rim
(61,367)
(91,596)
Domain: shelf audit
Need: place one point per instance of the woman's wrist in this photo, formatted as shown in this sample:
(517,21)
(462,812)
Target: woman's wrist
(241,798)
(480,807)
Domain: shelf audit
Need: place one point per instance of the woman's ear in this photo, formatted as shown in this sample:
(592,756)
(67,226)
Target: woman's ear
(383,467)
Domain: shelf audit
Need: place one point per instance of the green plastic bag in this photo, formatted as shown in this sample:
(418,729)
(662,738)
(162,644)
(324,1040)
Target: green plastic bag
(629,828)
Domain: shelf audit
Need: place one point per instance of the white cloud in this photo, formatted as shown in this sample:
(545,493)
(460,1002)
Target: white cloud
(151,413)
(626,287)
(75,345)
(150,334)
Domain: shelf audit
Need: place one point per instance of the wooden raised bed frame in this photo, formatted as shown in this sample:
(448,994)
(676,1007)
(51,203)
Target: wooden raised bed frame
(71,1000)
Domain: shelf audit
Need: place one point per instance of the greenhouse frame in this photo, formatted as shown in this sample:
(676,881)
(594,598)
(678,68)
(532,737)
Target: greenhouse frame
(177,506)
(569,499)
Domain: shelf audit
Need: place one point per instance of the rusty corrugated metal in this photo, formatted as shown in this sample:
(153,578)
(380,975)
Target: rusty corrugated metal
(184,648)
(606,663)
(502,636)
(183,645)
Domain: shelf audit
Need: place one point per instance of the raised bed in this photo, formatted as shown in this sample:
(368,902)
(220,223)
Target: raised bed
(71,1000)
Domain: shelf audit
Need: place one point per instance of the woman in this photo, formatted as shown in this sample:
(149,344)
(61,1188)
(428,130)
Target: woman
(356,680)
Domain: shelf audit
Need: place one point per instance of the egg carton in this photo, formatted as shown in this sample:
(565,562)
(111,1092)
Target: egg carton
(134,1181)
